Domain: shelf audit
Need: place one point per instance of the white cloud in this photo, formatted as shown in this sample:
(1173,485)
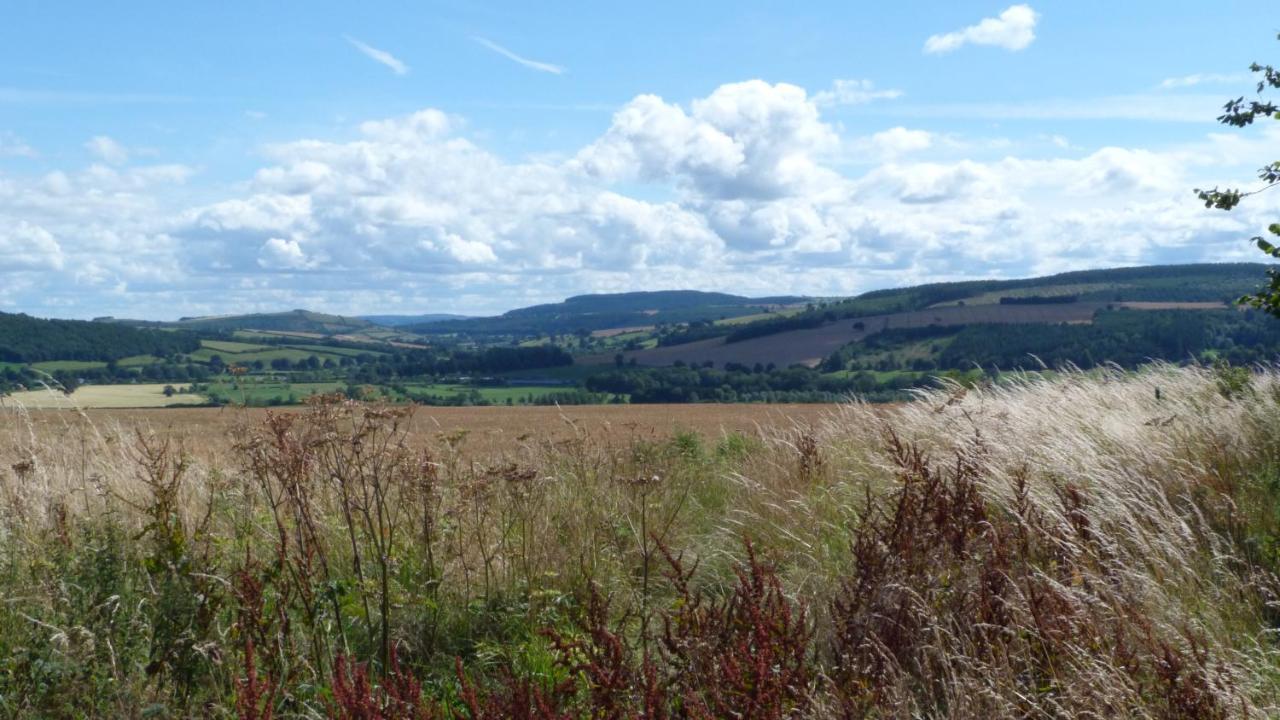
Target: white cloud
(24,246)
(1152,107)
(283,254)
(899,140)
(748,139)
(853,92)
(1204,79)
(531,64)
(13,146)
(1013,29)
(107,150)
(381,57)
(748,189)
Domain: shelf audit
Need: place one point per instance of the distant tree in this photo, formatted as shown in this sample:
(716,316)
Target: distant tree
(170,391)
(1241,113)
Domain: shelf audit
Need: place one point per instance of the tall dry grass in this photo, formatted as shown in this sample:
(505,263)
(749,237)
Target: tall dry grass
(1098,544)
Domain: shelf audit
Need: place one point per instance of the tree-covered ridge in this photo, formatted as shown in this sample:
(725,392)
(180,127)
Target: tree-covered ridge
(291,321)
(601,312)
(1127,338)
(25,339)
(1208,282)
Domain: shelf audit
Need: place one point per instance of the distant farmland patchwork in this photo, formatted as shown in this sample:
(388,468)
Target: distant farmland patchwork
(810,346)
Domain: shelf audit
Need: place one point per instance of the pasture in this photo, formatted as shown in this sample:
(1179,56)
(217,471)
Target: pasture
(102,396)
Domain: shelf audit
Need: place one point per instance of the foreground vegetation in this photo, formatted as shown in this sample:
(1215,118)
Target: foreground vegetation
(1089,546)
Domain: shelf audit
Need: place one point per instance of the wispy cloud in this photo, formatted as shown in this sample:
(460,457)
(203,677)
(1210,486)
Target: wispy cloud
(1013,29)
(1204,79)
(13,146)
(107,149)
(1152,107)
(853,92)
(381,57)
(533,64)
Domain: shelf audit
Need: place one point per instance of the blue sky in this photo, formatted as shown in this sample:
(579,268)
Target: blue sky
(165,159)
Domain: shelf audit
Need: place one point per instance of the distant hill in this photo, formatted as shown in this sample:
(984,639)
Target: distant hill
(608,311)
(303,321)
(395,321)
(1077,297)
(25,339)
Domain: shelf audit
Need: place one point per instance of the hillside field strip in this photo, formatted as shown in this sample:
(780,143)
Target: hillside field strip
(810,346)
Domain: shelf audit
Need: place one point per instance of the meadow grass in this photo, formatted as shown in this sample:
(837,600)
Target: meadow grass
(68,365)
(1098,545)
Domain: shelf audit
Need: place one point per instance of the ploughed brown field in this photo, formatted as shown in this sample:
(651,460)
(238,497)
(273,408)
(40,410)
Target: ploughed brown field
(487,429)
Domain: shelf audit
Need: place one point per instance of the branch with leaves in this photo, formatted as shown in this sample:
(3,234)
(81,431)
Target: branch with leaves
(1241,113)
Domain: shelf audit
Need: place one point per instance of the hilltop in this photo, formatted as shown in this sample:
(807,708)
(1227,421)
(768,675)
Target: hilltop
(811,335)
(290,321)
(630,310)
(671,346)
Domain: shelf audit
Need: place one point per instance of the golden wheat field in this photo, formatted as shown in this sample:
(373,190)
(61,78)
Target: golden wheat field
(481,430)
(104,396)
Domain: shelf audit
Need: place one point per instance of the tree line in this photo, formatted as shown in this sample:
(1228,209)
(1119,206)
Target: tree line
(25,339)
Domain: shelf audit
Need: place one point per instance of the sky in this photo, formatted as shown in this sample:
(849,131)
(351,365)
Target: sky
(162,159)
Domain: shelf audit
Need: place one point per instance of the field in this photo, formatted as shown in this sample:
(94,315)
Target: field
(503,394)
(1083,547)
(809,347)
(482,431)
(71,365)
(993,298)
(1173,305)
(102,396)
(258,391)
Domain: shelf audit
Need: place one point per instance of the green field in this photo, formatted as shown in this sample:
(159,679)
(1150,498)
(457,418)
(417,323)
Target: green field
(744,319)
(68,365)
(342,351)
(266,356)
(253,392)
(500,395)
(246,353)
(106,396)
(137,360)
(226,346)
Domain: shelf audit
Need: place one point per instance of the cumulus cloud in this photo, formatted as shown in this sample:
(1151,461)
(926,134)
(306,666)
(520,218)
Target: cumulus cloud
(748,139)
(382,57)
(748,189)
(24,246)
(1013,29)
(531,64)
(107,150)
